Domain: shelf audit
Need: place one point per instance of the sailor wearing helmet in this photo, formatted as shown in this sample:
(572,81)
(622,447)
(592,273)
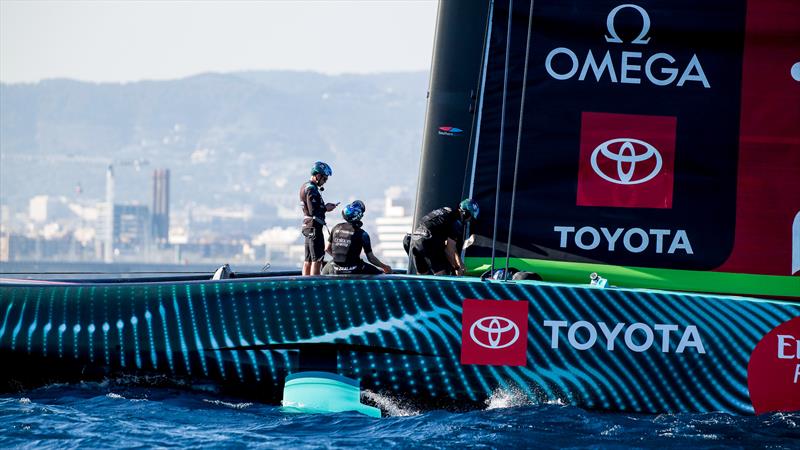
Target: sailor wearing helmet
(435,245)
(314,209)
(345,243)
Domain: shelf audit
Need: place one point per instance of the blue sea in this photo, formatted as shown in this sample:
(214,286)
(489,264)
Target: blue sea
(109,414)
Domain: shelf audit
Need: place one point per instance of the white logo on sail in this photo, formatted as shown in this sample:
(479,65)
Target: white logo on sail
(626,158)
(645,25)
(623,66)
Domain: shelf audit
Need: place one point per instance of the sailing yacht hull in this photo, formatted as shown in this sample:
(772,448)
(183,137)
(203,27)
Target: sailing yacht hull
(436,342)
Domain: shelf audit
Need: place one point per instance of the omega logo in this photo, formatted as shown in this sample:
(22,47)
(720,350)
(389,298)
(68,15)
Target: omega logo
(495,331)
(645,25)
(626,157)
(625,67)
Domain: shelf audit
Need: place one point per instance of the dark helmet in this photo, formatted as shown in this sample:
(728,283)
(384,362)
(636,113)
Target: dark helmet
(501,274)
(354,211)
(469,208)
(321,168)
(360,204)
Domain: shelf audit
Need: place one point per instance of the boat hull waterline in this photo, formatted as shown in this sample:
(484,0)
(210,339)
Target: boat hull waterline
(434,341)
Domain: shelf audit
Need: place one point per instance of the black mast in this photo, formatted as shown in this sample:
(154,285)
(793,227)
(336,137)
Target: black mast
(452,102)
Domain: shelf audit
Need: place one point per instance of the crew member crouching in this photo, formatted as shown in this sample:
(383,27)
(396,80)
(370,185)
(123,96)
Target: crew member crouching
(435,245)
(345,243)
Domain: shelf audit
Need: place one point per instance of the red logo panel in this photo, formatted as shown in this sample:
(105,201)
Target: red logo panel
(626,160)
(773,374)
(494,332)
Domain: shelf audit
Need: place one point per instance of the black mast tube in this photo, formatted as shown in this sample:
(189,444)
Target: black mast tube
(452,93)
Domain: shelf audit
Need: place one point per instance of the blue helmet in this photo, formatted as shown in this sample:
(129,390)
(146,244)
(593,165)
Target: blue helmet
(353,211)
(321,168)
(469,208)
(359,204)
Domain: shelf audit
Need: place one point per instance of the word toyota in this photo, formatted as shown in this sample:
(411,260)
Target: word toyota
(637,337)
(633,240)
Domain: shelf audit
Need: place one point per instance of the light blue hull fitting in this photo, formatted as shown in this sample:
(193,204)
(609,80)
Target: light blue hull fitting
(323,392)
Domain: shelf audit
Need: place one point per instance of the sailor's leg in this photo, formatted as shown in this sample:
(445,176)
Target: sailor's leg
(368,269)
(328,269)
(418,261)
(438,261)
(308,234)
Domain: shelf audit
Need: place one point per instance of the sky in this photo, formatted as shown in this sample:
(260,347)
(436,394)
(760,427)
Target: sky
(124,41)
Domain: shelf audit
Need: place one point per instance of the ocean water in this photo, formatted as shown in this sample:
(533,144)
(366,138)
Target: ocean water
(99,415)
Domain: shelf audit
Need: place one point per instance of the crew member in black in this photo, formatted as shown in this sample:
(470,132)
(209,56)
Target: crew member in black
(436,244)
(346,242)
(314,210)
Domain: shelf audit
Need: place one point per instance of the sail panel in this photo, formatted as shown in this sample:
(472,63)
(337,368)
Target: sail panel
(655,135)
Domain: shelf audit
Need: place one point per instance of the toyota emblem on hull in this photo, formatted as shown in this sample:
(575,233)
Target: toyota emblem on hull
(495,330)
(626,158)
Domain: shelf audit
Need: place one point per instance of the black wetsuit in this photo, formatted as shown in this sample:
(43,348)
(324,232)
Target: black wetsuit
(314,218)
(347,241)
(428,242)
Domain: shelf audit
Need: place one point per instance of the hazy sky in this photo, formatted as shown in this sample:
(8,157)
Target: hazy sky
(134,40)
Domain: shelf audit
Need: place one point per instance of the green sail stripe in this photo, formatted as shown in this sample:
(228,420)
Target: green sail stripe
(651,278)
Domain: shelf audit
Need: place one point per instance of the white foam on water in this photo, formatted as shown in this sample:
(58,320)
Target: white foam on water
(611,431)
(25,401)
(392,407)
(228,404)
(507,398)
(113,395)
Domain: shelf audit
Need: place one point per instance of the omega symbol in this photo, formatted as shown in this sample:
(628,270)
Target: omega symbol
(640,39)
(494,328)
(626,157)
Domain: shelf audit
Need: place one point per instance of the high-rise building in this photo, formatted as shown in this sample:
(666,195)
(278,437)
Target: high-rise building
(130,227)
(160,218)
(393,226)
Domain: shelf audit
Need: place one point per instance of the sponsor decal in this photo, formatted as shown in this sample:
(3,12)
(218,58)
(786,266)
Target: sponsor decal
(626,160)
(660,68)
(494,332)
(450,131)
(773,373)
(636,337)
(632,240)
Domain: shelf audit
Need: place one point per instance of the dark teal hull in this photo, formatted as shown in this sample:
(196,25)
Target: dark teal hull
(400,335)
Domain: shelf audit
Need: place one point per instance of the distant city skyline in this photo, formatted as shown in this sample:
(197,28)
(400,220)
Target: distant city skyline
(129,41)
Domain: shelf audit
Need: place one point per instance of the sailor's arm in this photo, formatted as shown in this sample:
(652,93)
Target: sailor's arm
(453,257)
(367,246)
(316,206)
(377,262)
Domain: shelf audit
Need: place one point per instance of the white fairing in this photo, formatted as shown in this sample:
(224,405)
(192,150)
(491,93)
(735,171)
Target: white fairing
(796,244)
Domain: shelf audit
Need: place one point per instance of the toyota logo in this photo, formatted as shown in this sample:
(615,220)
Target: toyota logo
(494,332)
(626,158)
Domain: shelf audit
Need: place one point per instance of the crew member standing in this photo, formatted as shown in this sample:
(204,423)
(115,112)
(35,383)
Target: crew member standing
(314,209)
(436,244)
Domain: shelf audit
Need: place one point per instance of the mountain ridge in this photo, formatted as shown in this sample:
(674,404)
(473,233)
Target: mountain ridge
(240,136)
